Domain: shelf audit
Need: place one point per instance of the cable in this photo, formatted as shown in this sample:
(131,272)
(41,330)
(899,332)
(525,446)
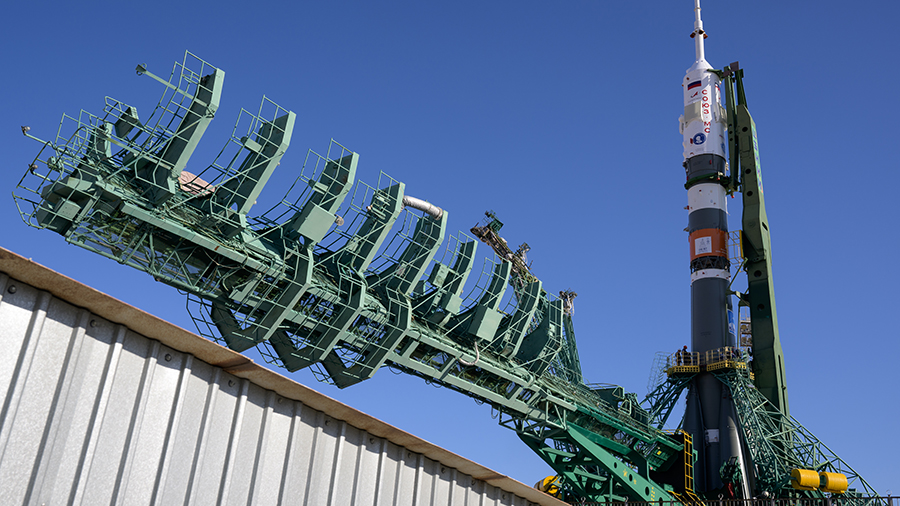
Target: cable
(470,364)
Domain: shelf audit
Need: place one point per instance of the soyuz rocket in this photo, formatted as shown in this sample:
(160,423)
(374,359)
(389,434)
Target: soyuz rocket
(710,415)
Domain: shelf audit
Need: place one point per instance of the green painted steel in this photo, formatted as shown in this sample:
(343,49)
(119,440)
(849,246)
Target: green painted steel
(756,248)
(660,402)
(345,278)
(322,281)
(589,469)
(779,443)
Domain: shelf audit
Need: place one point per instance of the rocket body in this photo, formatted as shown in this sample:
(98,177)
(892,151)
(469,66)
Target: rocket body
(710,415)
(704,129)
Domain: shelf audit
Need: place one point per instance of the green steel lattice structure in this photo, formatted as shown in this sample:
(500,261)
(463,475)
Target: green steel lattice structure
(321,281)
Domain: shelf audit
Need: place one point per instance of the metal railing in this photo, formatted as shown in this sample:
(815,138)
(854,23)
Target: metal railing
(695,358)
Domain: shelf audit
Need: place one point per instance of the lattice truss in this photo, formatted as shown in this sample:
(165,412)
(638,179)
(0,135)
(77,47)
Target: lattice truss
(337,276)
(778,443)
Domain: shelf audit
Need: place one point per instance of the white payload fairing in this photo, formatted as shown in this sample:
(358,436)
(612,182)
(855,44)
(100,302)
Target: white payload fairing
(703,124)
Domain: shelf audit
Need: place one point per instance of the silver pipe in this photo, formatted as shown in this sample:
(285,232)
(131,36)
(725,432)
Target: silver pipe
(427,208)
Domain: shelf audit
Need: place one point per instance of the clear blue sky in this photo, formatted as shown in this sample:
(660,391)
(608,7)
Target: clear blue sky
(561,117)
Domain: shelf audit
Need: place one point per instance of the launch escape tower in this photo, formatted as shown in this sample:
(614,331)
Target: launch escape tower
(318,281)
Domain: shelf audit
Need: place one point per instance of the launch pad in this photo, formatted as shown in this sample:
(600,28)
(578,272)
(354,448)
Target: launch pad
(320,282)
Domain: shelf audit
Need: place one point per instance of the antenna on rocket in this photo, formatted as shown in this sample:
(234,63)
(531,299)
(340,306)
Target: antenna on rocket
(698,30)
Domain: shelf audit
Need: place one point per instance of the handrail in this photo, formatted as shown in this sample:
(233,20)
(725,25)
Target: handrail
(714,356)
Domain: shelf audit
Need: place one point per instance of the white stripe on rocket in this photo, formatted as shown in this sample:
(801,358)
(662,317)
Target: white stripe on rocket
(707,196)
(710,273)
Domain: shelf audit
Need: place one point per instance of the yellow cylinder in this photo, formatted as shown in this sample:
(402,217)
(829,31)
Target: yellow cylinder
(836,483)
(548,485)
(804,479)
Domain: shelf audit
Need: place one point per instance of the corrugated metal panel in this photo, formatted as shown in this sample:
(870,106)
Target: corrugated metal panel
(95,413)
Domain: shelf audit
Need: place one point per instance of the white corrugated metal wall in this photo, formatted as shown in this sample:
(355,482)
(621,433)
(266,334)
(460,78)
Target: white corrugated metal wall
(96,413)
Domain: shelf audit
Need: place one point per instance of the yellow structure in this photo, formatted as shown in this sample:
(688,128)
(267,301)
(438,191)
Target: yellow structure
(549,485)
(836,483)
(804,479)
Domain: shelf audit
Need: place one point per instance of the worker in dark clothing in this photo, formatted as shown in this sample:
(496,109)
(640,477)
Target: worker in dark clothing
(681,356)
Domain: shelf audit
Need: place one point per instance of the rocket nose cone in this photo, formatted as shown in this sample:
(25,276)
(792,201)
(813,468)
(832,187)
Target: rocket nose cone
(701,64)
